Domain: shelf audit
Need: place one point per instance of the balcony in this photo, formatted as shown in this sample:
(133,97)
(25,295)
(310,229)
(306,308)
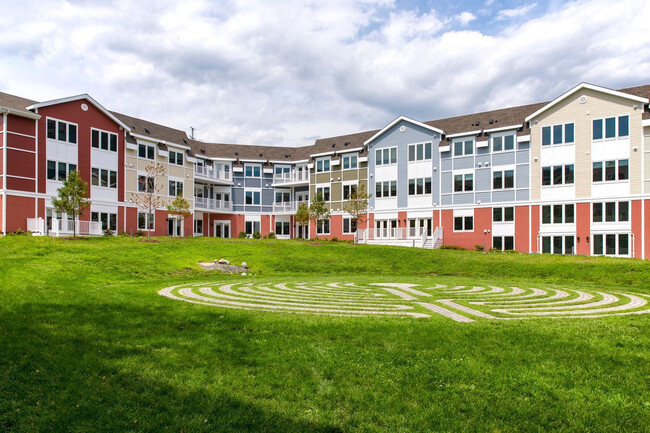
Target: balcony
(211,204)
(291,177)
(63,227)
(285,207)
(211,173)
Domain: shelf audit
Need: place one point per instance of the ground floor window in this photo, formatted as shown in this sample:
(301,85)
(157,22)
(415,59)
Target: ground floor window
(282,228)
(108,220)
(145,221)
(463,224)
(612,244)
(252,227)
(349,225)
(323,228)
(503,243)
(198,226)
(558,244)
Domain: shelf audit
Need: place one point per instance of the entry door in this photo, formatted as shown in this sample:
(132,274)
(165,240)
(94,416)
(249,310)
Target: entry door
(174,227)
(222,229)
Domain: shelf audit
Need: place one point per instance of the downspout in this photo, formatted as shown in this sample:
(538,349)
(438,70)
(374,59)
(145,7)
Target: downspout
(4,172)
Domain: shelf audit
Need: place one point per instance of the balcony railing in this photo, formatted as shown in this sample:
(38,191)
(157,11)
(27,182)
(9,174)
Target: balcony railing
(211,203)
(63,227)
(292,176)
(287,206)
(212,173)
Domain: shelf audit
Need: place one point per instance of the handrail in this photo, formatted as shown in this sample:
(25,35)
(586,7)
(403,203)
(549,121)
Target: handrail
(212,173)
(291,176)
(211,203)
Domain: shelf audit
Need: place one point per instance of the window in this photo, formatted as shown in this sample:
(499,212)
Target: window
(612,244)
(465,147)
(386,189)
(419,152)
(386,156)
(349,225)
(282,197)
(500,143)
(613,170)
(503,179)
(108,220)
(558,244)
(103,140)
(282,228)
(253,170)
(146,221)
(252,227)
(348,190)
(503,214)
(146,151)
(61,131)
(324,191)
(322,165)
(349,161)
(463,182)
(503,243)
(175,188)
(613,212)
(175,157)
(463,223)
(198,226)
(558,134)
(558,175)
(51,170)
(252,197)
(146,184)
(59,170)
(558,214)
(103,178)
(323,228)
(421,186)
(615,127)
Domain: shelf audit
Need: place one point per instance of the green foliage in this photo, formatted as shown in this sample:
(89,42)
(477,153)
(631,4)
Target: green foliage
(318,211)
(302,213)
(180,207)
(138,233)
(71,198)
(242,235)
(108,232)
(479,247)
(451,247)
(257,235)
(272,235)
(357,205)
(20,232)
(123,233)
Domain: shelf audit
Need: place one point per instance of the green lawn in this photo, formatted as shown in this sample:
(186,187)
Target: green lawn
(87,344)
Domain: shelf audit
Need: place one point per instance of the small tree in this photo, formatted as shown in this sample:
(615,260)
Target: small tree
(148,199)
(72,198)
(180,208)
(357,206)
(318,212)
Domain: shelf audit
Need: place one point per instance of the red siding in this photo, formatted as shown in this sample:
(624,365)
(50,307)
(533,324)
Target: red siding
(636,228)
(401,219)
(583,228)
(522,224)
(534,228)
(646,241)
(20,164)
(469,240)
(21,125)
(19,209)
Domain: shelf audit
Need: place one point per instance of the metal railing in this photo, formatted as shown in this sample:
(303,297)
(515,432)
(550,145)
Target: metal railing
(292,176)
(211,203)
(287,206)
(64,227)
(212,173)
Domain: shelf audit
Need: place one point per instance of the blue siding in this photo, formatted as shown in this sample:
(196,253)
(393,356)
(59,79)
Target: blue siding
(463,162)
(503,158)
(521,175)
(464,198)
(483,179)
(446,164)
(447,182)
(483,197)
(522,195)
(501,196)
(523,156)
(445,200)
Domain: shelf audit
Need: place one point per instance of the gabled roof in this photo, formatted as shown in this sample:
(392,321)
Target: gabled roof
(85,96)
(593,87)
(17,105)
(404,119)
(152,131)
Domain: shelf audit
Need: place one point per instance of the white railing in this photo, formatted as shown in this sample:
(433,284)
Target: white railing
(293,176)
(437,237)
(36,225)
(211,203)
(64,227)
(287,206)
(423,239)
(212,173)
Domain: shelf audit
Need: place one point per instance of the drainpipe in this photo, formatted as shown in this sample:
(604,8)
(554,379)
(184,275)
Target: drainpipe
(4,172)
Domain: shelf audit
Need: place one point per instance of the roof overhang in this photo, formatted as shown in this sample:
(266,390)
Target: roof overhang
(400,119)
(21,113)
(588,86)
(502,128)
(464,134)
(88,98)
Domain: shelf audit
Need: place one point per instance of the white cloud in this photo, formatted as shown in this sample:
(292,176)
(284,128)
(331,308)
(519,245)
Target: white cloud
(507,14)
(277,72)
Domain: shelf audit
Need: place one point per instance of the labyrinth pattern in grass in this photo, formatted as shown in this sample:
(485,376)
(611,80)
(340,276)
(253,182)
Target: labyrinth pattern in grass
(461,303)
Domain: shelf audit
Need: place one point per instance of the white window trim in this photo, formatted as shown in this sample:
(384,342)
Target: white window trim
(253,171)
(424,152)
(600,140)
(253,190)
(57,130)
(349,155)
(564,143)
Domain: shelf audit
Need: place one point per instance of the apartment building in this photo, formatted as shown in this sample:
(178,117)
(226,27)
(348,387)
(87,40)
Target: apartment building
(568,176)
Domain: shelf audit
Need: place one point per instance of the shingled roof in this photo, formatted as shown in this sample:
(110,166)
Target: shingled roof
(15,102)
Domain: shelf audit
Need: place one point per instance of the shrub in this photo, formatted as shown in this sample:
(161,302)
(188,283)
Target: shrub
(21,232)
(257,235)
(108,232)
(242,235)
(479,247)
(123,233)
(451,247)
(334,239)
(138,234)
(271,235)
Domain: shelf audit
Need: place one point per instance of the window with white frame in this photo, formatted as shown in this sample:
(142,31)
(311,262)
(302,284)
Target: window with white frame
(386,188)
(420,186)
(558,244)
(503,179)
(146,221)
(323,165)
(348,190)
(349,226)
(558,214)
(198,226)
(610,212)
(611,244)
(419,152)
(251,227)
(501,143)
(609,171)
(252,197)
(282,196)
(558,134)
(175,157)
(350,161)
(282,228)
(464,182)
(386,156)
(103,178)
(59,170)
(324,191)
(503,214)
(252,170)
(108,220)
(463,223)
(611,127)
(103,140)
(463,147)
(503,243)
(323,228)
(558,175)
(175,188)
(146,151)
(61,131)
(146,184)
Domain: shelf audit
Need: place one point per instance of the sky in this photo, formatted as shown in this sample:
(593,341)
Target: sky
(280,72)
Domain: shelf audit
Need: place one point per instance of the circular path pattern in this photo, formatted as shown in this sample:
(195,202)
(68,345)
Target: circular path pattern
(460,303)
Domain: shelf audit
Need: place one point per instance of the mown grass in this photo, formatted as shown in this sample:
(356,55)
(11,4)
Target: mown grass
(86,344)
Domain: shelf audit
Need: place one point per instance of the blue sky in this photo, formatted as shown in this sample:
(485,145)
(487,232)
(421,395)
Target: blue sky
(285,72)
